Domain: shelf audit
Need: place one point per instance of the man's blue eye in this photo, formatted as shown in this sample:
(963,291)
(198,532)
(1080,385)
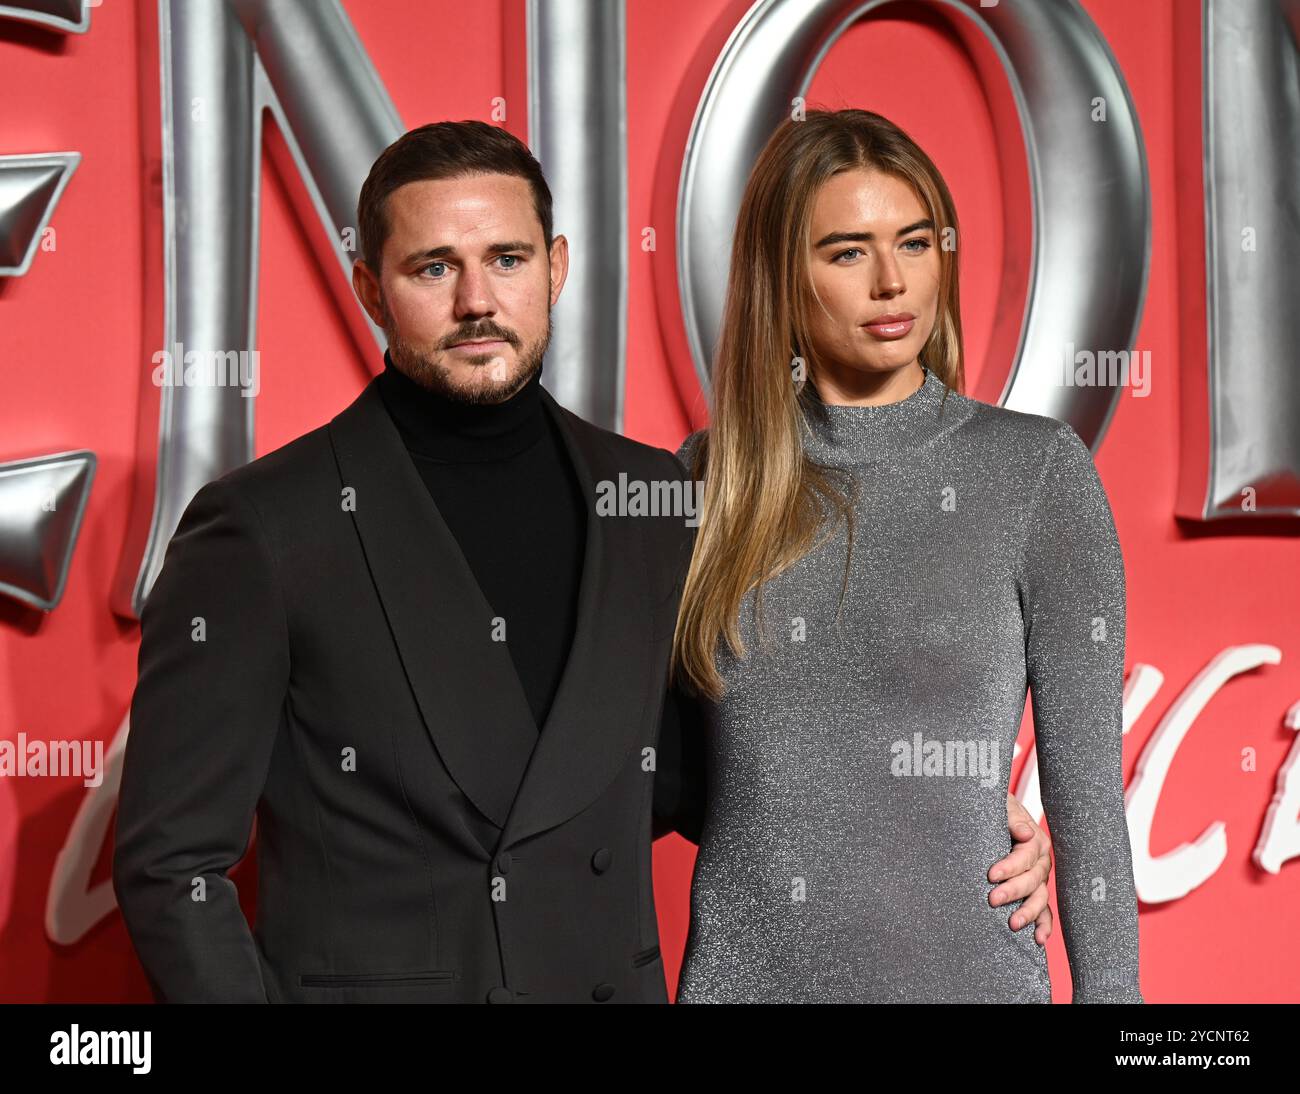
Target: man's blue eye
(432,265)
(512,259)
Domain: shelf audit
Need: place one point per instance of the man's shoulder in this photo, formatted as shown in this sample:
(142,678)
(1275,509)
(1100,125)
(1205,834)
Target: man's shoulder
(624,453)
(283,472)
(657,480)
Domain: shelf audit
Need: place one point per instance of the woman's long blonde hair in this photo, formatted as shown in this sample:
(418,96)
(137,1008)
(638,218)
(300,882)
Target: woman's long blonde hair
(764,500)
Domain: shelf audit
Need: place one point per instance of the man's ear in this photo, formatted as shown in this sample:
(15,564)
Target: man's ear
(559,266)
(366,285)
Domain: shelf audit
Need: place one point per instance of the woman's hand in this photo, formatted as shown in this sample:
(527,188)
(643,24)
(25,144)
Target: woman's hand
(1024,873)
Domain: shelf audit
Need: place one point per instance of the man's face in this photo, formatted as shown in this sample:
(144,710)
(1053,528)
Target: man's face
(466,286)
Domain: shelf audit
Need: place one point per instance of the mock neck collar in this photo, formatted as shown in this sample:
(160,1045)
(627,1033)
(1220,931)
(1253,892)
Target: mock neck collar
(842,436)
(439,428)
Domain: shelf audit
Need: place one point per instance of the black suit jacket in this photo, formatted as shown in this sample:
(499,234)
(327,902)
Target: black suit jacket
(313,654)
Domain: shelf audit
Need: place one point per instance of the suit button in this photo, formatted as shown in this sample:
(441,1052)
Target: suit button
(503,862)
(601,992)
(501,995)
(600,863)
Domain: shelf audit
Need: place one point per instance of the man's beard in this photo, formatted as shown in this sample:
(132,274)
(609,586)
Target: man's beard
(435,377)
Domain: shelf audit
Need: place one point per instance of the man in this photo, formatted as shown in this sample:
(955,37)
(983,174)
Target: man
(408,645)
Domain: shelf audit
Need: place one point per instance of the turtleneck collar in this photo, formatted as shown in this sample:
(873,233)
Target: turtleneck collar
(439,428)
(842,436)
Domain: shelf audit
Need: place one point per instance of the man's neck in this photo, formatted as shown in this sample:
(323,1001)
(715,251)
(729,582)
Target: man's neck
(437,427)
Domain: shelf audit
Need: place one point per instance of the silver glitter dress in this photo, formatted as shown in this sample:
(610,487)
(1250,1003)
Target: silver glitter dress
(858,776)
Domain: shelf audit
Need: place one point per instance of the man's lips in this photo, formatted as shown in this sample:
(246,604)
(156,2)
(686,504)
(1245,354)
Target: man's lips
(483,343)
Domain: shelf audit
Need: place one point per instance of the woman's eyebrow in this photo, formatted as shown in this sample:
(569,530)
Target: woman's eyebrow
(868,237)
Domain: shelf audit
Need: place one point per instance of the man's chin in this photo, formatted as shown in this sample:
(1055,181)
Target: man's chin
(480,379)
(481,384)
(489,391)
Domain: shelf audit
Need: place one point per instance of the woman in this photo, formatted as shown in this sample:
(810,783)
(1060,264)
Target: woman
(890,563)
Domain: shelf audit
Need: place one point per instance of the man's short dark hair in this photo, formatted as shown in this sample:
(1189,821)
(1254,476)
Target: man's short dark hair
(444,150)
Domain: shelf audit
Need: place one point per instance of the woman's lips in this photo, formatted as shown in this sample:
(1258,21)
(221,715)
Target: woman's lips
(890,330)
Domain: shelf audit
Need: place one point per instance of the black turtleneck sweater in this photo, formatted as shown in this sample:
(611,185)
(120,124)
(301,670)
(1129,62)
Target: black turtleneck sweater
(502,480)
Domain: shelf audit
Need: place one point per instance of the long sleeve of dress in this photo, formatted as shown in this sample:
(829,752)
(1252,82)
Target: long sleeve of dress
(1072,593)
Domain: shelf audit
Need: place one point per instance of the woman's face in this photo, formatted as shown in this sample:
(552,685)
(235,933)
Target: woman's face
(874,264)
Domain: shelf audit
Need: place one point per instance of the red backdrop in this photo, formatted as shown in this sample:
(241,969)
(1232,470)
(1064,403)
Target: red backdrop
(72,346)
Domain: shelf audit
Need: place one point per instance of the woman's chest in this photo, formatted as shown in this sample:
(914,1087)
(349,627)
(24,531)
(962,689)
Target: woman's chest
(924,589)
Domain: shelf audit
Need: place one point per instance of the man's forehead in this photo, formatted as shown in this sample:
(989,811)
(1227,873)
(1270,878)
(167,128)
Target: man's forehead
(498,193)
(464,207)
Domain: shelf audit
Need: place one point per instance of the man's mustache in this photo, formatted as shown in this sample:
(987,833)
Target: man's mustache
(479,334)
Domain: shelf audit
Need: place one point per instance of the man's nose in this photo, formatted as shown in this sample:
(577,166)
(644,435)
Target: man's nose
(474,296)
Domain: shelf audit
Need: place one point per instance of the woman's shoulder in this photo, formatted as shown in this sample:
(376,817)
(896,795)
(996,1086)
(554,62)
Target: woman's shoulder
(1018,434)
(691,449)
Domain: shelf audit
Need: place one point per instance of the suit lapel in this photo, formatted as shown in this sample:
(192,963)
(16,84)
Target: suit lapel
(472,703)
(595,717)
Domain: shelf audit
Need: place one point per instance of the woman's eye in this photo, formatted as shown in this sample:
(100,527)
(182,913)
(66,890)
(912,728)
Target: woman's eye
(851,251)
(922,245)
